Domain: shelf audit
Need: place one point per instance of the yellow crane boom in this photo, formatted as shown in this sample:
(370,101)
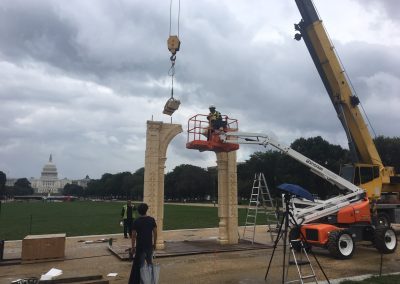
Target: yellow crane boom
(368,170)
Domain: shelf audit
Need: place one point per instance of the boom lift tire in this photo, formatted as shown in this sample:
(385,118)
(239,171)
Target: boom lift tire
(385,240)
(341,244)
(294,234)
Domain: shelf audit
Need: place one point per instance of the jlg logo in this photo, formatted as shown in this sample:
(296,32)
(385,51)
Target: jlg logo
(314,164)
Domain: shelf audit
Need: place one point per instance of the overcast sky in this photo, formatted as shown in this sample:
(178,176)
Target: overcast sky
(79,79)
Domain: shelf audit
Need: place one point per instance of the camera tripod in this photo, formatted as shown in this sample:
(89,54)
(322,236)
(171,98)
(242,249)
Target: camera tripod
(288,217)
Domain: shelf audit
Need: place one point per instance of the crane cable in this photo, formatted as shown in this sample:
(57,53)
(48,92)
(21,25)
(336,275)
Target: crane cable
(173,45)
(354,93)
(170,16)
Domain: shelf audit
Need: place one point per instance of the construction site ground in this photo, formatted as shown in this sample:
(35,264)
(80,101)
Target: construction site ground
(212,264)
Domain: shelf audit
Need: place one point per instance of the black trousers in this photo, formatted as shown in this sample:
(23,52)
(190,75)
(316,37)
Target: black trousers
(128,227)
(138,261)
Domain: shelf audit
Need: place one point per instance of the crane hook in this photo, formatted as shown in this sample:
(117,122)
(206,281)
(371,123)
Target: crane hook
(173,44)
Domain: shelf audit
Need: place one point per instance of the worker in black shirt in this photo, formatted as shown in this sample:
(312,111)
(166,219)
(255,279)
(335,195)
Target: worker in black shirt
(144,239)
(128,215)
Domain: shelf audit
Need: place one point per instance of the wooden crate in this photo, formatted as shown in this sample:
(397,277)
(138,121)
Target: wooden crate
(43,247)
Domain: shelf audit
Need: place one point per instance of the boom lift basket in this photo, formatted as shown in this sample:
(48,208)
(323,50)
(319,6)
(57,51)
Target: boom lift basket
(203,138)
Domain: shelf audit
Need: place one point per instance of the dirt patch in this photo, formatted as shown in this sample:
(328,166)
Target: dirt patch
(245,266)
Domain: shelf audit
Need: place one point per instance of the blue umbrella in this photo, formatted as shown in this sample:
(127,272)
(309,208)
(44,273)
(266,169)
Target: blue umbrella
(297,190)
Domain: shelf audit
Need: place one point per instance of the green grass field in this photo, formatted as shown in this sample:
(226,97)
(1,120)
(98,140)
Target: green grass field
(18,219)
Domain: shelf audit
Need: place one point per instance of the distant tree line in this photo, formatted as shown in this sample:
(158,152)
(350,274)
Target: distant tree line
(123,185)
(22,186)
(192,183)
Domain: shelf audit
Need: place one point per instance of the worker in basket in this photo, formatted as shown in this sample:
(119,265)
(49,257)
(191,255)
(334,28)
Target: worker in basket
(215,120)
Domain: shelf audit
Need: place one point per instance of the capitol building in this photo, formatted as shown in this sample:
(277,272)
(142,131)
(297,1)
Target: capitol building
(49,183)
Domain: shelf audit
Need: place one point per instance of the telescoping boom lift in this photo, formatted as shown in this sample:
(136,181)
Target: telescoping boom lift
(352,193)
(367,171)
(347,216)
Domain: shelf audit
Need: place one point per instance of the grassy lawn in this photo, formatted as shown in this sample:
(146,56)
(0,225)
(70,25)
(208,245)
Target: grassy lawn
(389,279)
(78,218)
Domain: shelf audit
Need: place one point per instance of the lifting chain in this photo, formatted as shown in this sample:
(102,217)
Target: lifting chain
(173,46)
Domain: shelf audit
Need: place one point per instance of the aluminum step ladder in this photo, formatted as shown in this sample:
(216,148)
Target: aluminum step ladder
(300,258)
(260,203)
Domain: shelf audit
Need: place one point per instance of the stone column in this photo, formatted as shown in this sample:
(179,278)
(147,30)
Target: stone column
(227,198)
(158,137)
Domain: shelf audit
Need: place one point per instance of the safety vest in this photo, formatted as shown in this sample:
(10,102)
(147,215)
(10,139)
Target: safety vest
(126,212)
(214,116)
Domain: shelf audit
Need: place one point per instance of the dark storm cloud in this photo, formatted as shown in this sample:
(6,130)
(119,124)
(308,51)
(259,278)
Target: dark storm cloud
(32,29)
(391,7)
(79,79)
(101,40)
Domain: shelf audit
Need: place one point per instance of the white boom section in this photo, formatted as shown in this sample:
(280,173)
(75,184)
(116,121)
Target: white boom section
(309,211)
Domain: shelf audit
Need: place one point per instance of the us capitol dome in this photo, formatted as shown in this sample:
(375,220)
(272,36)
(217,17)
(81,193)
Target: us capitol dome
(49,183)
(49,171)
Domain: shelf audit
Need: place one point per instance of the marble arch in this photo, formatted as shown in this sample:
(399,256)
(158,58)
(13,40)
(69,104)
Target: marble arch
(158,137)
